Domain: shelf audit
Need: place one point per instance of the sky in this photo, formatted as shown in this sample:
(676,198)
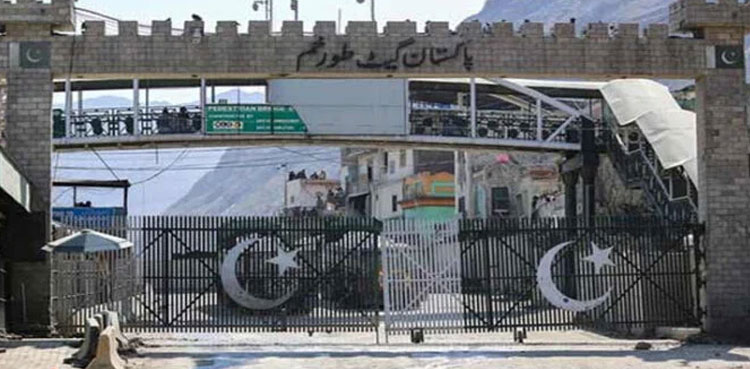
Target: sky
(155,194)
(309,10)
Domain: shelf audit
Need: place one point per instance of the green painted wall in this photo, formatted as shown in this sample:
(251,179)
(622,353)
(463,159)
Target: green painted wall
(430,213)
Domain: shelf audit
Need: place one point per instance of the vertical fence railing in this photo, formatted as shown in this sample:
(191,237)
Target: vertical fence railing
(457,276)
(421,276)
(648,279)
(179,267)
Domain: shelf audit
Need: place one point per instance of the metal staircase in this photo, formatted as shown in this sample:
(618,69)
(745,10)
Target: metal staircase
(670,192)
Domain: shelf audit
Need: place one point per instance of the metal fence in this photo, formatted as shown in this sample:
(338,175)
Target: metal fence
(241,274)
(545,274)
(84,284)
(422,276)
(216,274)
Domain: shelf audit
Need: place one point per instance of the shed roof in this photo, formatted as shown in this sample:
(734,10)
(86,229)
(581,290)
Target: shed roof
(88,241)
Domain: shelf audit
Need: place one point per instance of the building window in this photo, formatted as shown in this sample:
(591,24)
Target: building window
(392,167)
(402,158)
(394,203)
(500,200)
(385,162)
(291,200)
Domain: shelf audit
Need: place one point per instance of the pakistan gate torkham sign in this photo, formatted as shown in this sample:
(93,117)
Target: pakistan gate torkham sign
(32,57)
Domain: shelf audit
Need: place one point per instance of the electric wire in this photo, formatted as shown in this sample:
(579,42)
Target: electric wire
(165,169)
(204,168)
(105,163)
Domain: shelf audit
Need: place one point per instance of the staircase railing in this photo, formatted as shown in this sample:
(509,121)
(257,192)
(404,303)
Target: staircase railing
(669,191)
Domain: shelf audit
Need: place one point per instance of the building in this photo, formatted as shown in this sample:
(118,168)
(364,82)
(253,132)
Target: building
(385,184)
(312,196)
(429,196)
(516,185)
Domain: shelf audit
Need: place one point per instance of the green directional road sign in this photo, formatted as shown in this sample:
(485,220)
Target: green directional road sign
(253,119)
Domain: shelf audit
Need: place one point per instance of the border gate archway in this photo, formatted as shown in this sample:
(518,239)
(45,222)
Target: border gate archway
(33,53)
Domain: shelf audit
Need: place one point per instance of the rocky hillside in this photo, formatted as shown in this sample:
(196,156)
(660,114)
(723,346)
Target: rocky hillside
(585,11)
(251,182)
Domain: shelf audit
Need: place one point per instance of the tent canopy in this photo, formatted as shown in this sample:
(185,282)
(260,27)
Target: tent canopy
(669,129)
(88,241)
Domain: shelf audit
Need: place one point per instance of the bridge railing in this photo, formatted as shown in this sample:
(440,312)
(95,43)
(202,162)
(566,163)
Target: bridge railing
(670,191)
(166,120)
(507,125)
(156,120)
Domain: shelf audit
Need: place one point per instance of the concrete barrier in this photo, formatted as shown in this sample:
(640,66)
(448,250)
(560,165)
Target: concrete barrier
(112,319)
(677,333)
(90,339)
(106,352)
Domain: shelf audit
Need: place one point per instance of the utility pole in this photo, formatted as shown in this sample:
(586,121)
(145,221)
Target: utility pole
(268,7)
(372,8)
(295,7)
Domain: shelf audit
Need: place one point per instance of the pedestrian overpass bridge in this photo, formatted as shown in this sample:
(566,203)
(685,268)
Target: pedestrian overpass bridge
(637,123)
(428,113)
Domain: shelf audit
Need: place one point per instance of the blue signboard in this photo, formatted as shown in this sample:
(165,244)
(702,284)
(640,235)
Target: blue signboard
(83,212)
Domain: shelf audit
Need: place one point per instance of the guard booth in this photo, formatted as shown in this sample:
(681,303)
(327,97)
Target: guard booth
(112,218)
(90,272)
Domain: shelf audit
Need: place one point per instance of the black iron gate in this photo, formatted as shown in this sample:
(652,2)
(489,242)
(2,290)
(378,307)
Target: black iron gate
(215,274)
(622,274)
(255,274)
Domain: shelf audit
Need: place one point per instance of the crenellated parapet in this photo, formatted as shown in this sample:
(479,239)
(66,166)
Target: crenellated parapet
(398,48)
(692,15)
(60,14)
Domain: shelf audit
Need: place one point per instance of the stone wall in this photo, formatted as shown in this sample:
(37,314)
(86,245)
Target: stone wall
(472,49)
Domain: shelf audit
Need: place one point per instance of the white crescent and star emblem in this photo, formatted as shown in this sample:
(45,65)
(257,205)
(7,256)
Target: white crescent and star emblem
(34,55)
(284,260)
(600,258)
(730,57)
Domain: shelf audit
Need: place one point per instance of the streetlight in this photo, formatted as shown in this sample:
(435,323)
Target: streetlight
(295,7)
(268,4)
(372,8)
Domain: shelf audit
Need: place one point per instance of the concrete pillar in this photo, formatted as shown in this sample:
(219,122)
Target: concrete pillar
(203,104)
(570,180)
(29,130)
(469,192)
(136,107)
(724,171)
(473,106)
(68,105)
(589,170)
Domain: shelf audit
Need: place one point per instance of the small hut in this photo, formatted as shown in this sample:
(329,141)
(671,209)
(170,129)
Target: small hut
(91,272)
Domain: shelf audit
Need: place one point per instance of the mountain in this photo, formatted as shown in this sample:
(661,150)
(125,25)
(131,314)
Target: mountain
(251,182)
(237,96)
(584,11)
(156,194)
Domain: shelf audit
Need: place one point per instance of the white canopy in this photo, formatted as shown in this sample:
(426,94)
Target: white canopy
(669,129)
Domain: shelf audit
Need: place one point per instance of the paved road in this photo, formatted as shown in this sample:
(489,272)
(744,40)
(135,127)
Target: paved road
(568,350)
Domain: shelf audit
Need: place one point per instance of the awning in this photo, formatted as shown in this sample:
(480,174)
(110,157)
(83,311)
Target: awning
(88,241)
(669,129)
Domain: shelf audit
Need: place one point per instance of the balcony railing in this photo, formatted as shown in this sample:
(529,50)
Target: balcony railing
(166,120)
(122,121)
(670,191)
(493,124)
